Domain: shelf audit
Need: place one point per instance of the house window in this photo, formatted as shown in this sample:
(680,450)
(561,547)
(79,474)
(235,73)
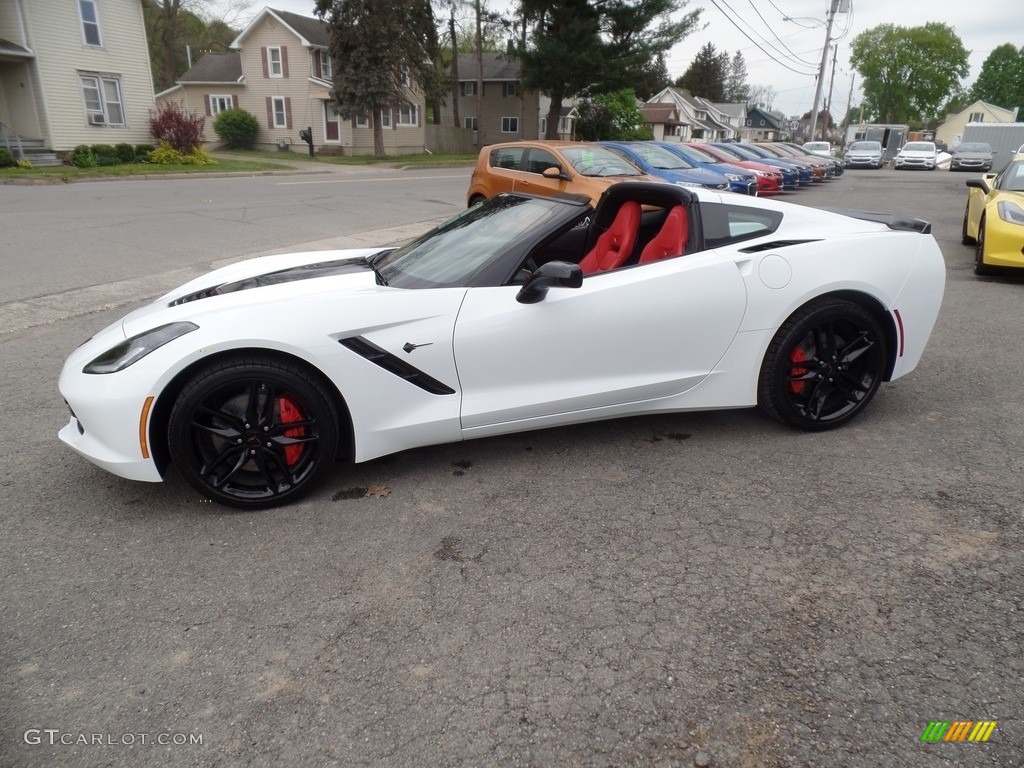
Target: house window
(90,22)
(404,76)
(407,114)
(385,118)
(749,121)
(102,94)
(510,89)
(325,65)
(469,88)
(469,122)
(976,117)
(362,121)
(219,103)
(510,125)
(275,67)
(761,123)
(280,109)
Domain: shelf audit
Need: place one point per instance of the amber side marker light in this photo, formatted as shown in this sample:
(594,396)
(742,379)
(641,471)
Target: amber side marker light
(143,420)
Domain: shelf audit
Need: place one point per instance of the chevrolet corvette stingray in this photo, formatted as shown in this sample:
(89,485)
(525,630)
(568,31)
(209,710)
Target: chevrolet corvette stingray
(522,312)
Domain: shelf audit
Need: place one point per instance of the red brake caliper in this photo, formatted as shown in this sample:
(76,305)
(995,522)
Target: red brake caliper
(289,413)
(797,356)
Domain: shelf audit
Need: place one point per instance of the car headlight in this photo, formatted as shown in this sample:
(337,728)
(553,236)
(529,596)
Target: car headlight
(1010,212)
(137,347)
(688,184)
(734,177)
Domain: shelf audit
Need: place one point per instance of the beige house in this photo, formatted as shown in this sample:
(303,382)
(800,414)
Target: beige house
(279,69)
(952,130)
(73,73)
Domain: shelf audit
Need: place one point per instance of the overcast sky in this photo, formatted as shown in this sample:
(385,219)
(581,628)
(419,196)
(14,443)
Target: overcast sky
(785,55)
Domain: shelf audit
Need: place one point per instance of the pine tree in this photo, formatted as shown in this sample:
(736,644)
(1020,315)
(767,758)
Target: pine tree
(736,88)
(706,76)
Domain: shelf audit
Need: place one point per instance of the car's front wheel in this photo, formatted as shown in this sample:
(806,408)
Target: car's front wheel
(824,365)
(980,267)
(253,432)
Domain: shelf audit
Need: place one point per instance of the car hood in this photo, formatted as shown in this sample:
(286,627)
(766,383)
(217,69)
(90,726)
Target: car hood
(973,155)
(257,281)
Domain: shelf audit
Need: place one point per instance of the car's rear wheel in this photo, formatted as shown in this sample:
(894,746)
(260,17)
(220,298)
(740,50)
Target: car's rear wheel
(824,365)
(476,199)
(253,433)
(980,267)
(964,237)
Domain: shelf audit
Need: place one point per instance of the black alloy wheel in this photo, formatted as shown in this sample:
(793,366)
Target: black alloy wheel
(980,268)
(253,433)
(824,365)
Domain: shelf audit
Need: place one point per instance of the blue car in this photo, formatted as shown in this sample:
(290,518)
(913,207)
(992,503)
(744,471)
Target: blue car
(740,179)
(658,162)
(801,176)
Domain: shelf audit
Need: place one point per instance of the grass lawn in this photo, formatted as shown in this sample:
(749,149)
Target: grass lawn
(223,165)
(419,161)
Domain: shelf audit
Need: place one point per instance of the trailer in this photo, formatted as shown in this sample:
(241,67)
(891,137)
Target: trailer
(891,136)
(1004,138)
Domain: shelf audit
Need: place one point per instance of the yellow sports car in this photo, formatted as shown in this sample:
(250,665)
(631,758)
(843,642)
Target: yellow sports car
(994,218)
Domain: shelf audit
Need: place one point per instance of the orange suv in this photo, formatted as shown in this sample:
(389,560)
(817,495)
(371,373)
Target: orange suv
(549,168)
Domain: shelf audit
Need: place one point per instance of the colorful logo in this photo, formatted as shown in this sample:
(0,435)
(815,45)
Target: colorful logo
(958,730)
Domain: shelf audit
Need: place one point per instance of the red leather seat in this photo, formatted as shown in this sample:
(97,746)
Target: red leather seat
(615,245)
(671,240)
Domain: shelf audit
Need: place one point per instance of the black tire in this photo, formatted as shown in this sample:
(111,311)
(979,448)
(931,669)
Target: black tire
(964,237)
(980,268)
(476,199)
(253,433)
(824,365)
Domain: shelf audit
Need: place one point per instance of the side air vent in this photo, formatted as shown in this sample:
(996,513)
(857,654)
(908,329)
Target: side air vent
(775,244)
(395,365)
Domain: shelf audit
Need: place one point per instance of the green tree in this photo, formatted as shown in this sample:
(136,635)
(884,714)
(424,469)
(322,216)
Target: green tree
(599,47)
(707,75)
(652,78)
(173,27)
(736,88)
(1001,81)
(907,73)
(612,117)
(376,45)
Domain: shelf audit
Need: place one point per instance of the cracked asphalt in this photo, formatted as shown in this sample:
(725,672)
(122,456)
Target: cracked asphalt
(696,589)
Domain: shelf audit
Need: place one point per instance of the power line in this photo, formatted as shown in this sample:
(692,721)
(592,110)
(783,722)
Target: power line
(773,56)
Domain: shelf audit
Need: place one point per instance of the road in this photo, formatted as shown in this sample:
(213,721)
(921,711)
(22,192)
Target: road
(695,589)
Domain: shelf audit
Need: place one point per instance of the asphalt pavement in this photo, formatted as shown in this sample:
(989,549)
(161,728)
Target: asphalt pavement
(693,589)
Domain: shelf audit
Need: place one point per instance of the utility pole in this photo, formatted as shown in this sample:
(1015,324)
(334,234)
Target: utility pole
(833,8)
(828,102)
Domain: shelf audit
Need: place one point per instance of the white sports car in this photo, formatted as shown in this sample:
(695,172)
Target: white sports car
(522,312)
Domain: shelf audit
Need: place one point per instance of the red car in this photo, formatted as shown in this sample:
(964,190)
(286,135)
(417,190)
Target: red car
(769,179)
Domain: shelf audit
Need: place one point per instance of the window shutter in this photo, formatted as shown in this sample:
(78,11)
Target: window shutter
(206,101)
(265,57)
(288,111)
(316,64)
(270,112)
(234,101)
(284,63)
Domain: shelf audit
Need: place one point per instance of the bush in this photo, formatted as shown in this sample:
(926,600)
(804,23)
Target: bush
(25,164)
(142,152)
(237,128)
(6,158)
(82,157)
(171,123)
(165,154)
(125,153)
(105,154)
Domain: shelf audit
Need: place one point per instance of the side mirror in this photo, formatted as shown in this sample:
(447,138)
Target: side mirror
(553,172)
(977,184)
(561,274)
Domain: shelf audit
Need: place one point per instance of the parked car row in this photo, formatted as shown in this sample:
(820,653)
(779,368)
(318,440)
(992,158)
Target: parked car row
(588,168)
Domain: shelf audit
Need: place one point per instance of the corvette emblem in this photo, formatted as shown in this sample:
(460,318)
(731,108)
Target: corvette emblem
(409,346)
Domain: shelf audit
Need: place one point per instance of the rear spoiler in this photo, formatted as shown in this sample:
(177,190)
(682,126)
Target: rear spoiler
(891,220)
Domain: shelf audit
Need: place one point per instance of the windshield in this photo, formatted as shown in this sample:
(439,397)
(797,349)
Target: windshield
(818,146)
(449,255)
(918,146)
(737,152)
(974,147)
(597,161)
(662,159)
(866,146)
(700,156)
